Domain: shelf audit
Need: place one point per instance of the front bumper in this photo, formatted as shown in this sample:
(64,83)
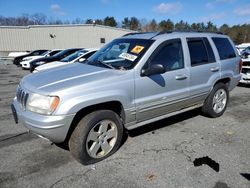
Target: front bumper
(54,128)
(245,79)
(25,64)
(245,75)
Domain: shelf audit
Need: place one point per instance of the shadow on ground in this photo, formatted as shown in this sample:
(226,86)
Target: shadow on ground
(164,123)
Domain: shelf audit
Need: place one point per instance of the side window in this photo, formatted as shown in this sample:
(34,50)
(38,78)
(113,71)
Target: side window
(53,53)
(36,53)
(224,48)
(169,54)
(68,53)
(89,54)
(200,51)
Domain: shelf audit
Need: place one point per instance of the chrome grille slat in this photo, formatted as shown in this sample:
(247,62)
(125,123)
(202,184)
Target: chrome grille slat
(22,97)
(18,94)
(26,99)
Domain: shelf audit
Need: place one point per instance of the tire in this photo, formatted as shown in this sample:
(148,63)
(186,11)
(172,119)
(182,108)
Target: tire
(97,136)
(216,102)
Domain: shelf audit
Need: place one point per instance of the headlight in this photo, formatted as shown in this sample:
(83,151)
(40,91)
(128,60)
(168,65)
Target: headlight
(42,104)
(40,63)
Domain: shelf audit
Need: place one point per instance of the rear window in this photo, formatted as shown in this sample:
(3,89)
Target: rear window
(224,48)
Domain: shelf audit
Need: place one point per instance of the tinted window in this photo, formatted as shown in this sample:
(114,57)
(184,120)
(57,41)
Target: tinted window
(89,54)
(73,56)
(38,52)
(170,55)
(65,53)
(210,52)
(224,48)
(198,52)
(53,53)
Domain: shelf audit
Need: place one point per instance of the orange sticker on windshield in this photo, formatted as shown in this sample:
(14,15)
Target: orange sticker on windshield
(137,49)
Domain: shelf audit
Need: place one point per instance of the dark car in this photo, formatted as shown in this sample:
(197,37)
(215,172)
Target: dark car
(18,59)
(37,62)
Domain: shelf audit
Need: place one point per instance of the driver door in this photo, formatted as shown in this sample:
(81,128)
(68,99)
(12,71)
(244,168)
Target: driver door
(160,94)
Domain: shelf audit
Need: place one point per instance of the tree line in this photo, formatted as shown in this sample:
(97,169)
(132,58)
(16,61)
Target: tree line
(238,33)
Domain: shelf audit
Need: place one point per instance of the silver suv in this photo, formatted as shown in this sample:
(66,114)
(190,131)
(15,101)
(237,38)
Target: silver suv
(132,81)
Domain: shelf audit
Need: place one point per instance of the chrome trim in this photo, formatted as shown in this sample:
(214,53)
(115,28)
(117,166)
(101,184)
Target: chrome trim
(163,103)
(22,97)
(134,125)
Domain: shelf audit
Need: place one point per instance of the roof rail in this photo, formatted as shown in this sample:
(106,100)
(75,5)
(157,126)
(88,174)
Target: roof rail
(189,30)
(172,31)
(133,33)
(137,33)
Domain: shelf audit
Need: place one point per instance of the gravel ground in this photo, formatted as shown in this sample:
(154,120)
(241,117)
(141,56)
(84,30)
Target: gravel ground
(187,150)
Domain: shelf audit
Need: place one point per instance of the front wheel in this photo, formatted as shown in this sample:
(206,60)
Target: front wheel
(97,136)
(216,103)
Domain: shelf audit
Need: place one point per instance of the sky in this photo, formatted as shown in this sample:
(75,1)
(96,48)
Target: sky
(231,12)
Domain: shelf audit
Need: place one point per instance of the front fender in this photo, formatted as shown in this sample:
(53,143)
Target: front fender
(73,105)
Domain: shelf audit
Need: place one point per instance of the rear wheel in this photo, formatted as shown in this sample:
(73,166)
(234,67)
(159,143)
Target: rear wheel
(216,103)
(97,136)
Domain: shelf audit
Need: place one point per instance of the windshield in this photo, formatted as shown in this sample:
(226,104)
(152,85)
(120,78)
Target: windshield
(61,53)
(74,56)
(38,52)
(122,54)
(45,53)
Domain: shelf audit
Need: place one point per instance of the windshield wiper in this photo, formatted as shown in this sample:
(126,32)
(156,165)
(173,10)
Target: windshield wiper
(101,63)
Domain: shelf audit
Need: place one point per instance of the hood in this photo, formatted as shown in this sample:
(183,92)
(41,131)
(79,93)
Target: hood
(32,57)
(46,59)
(21,57)
(50,65)
(65,77)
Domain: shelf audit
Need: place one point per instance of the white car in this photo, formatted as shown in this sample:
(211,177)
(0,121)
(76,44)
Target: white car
(245,72)
(243,46)
(80,56)
(25,63)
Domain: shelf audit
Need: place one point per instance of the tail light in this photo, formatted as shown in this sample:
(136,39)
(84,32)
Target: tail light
(240,65)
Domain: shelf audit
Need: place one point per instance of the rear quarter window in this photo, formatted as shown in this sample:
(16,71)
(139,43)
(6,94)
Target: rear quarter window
(224,47)
(200,51)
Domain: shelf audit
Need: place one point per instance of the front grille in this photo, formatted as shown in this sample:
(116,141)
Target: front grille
(22,97)
(245,70)
(246,63)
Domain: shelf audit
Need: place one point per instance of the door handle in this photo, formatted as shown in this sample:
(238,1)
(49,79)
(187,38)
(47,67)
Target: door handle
(215,69)
(181,77)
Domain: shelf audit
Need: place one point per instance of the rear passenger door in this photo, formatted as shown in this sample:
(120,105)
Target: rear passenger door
(203,68)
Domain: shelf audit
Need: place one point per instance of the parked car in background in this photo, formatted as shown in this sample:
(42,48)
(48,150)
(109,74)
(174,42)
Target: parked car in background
(37,62)
(18,59)
(16,54)
(25,64)
(242,46)
(132,81)
(80,55)
(245,73)
(247,50)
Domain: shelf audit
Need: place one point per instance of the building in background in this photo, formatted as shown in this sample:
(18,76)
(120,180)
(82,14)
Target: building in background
(28,38)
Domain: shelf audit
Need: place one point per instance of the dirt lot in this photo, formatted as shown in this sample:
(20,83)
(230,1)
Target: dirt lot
(162,154)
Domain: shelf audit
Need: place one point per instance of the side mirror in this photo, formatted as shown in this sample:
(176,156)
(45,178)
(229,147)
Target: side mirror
(153,69)
(81,60)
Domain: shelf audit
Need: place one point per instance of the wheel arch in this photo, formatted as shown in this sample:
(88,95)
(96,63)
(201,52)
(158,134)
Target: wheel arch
(225,80)
(115,106)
